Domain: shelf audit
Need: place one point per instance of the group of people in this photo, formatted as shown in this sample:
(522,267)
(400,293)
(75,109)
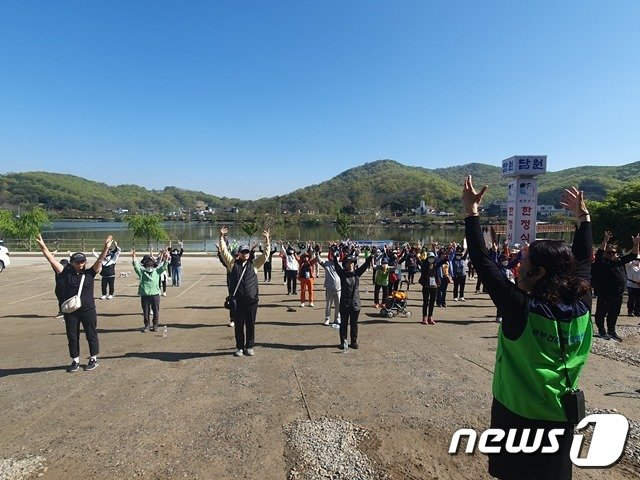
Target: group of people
(543,296)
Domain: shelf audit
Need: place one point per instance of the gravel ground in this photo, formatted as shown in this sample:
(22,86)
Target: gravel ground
(19,469)
(329,448)
(620,350)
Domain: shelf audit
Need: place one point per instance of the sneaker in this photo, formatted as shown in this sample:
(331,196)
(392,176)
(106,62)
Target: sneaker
(431,321)
(109,297)
(311,304)
(59,315)
(250,352)
(73,367)
(335,325)
(164,294)
(146,329)
(354,345)
(498,319)
(338,321)
(327,321)
(444,305)
(477,291)
(455,299)
(603,335)
(232,324)
(302,305)
(462,299)
(93,363)
(343,345)
(154,328)
(614,336)
(424,320)
(238,353)
(103,297)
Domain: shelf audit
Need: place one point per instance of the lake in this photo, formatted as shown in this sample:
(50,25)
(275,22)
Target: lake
(201,236)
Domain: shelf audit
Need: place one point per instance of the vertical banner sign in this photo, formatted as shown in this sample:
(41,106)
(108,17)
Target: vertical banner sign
(521,210)
(522,196)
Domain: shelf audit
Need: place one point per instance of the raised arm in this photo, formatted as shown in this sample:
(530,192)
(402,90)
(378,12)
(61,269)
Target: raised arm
(260,261)
(56,265)
(227,259)
(107,245)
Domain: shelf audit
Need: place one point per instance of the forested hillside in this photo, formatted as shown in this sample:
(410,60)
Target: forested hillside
(383,185)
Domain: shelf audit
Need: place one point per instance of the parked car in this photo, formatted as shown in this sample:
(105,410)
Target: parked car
(4,257)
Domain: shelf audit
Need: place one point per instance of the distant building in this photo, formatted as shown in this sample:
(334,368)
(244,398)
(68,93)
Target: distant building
(424,209)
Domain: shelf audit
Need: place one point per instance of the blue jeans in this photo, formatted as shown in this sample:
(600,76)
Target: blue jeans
(175,276)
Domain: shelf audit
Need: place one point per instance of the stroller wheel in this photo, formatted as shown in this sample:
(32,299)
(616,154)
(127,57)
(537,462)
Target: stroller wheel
(389,313)
(407,313)
(383,312)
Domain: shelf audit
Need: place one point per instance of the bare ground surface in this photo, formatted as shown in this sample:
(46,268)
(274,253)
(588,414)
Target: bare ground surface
(184,407)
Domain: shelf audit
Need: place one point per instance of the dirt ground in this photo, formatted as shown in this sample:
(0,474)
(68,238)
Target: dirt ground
(184,407)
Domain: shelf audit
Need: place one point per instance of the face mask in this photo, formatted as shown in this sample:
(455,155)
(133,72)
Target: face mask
(504,264)
(431,260)
(149,269)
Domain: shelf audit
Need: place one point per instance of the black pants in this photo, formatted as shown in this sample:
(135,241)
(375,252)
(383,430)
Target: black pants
(150,303)
(110,282)
(267,271)
(529,466)
(292,281)
(89,321)
(162,284)
(608,306)
(633,304)
(245,317)
(376,293)
(442,292)
(428,300)
(458,286)
(349,316)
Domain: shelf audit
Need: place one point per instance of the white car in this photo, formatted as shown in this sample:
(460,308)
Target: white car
(4,257)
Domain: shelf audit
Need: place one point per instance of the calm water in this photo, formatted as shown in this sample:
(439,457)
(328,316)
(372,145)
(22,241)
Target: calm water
(200,236)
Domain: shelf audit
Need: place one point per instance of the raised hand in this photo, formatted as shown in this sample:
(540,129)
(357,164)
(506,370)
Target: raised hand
(573,200)
(607,236)
(224,231)
(470,197)
(108,241)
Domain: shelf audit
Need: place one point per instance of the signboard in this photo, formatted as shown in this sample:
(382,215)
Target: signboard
(522,199)
(524,165)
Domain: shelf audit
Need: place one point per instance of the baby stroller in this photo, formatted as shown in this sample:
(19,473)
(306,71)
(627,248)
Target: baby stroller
(396,303)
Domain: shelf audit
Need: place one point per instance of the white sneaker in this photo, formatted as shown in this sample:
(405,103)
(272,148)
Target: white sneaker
(455,299)
(302,305)
(327,321)
(311,304)
(231,324)
(462,299)
(103,297)
(109,297)
(498,319)
(164,294)
(238,353)
(338,322)
(250,352)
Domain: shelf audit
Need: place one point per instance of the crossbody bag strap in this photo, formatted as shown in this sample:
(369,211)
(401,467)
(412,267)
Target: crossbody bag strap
(81,285)
(240,279)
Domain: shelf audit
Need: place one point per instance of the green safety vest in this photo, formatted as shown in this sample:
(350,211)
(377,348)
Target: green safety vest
(529,377)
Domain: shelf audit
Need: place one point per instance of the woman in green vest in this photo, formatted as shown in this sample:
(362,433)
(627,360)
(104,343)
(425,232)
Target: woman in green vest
(543,341)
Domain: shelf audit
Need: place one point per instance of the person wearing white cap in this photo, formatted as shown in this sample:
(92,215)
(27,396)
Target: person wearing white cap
(430,283)
(79,280)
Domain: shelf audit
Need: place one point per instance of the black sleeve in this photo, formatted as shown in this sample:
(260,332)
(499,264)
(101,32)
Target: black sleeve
(339,269)
(582,248)
(629,257)
(363,268)
(511,301)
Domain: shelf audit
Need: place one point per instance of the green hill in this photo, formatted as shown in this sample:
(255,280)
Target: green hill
(384,185)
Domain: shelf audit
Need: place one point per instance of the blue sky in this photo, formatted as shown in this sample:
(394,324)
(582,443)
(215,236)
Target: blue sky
(258,98)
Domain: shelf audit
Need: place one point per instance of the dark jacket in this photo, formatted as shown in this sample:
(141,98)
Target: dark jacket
(247,293)
(350,285)
(610,275)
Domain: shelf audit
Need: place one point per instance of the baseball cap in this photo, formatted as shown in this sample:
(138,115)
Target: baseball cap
(244,249)
(78,257)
